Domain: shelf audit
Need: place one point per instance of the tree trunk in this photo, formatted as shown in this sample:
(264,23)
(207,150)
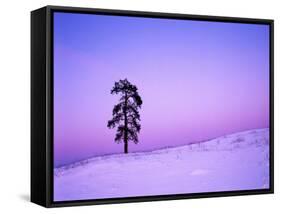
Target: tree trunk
(126,126)
(126,147)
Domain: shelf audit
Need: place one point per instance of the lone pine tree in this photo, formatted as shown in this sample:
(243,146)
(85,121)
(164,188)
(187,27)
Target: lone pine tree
(125,114)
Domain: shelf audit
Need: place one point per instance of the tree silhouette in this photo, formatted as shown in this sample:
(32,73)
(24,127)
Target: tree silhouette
(125,114)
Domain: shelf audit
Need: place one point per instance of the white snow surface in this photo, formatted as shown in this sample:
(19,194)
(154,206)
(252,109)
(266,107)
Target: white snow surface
(237,161)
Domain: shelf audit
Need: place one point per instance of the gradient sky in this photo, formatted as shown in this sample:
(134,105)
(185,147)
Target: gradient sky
(198,80)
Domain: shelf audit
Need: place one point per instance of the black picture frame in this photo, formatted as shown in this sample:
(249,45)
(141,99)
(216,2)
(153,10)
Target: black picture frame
(42,105)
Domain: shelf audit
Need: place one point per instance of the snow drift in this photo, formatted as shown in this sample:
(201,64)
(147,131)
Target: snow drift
(238,161)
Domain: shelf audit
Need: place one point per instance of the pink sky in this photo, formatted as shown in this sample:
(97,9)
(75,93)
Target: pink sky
(198,80)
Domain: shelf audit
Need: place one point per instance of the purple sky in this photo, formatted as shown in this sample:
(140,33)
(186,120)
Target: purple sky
(198,80)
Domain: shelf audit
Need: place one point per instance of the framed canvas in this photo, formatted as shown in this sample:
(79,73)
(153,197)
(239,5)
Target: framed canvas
(131,106)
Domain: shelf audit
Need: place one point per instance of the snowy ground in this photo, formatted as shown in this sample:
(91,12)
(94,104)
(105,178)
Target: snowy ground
(238,161)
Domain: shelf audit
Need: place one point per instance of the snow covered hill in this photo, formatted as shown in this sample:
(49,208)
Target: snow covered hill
(238,161)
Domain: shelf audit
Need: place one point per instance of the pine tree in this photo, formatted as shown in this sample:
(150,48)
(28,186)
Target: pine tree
(125,114)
